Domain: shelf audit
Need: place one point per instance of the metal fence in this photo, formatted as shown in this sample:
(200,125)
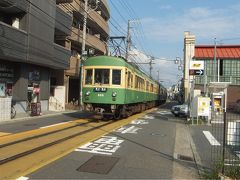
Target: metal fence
(226,152)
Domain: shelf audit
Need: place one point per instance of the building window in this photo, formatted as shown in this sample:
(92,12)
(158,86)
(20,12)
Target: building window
(221,67)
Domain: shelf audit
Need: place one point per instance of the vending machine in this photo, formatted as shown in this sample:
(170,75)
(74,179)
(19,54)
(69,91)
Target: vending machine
(218,102)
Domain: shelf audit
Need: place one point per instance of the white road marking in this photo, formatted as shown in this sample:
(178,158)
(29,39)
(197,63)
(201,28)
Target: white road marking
(148,117)
(106,145)
(22,178)
(211,138)
(131,130)
(164,112)
(54,125)
(139,121)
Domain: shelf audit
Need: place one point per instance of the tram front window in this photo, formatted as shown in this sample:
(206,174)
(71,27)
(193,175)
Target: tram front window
(116,77)
(101,76)
(88,79)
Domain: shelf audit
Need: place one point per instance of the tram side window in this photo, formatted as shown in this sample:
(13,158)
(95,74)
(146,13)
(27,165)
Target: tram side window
(129,79)
(147,87)
(136,81)
(101,76)
(88,79)
(116,77)
(151,88)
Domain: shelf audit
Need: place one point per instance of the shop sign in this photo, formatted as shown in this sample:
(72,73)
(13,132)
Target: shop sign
(196,68)
(34,75)
(6,73)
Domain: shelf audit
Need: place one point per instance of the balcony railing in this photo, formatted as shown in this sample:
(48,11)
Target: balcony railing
(95,20)
(13,44)
(63,21)
(13,6)
(105,8)
(91,40)
(61,57)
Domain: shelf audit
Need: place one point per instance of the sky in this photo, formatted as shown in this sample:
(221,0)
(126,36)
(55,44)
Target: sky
(158,26)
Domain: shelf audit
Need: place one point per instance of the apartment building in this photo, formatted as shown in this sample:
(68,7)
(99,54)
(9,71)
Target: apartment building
(96,40)
(34,50)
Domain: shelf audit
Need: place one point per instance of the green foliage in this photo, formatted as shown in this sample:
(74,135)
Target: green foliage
(232,172)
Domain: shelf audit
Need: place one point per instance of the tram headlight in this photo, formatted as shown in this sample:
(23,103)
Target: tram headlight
(88,93)
(114,94)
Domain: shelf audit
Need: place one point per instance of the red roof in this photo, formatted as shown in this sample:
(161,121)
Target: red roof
(223,52)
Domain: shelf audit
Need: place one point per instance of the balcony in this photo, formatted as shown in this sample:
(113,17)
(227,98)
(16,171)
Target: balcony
(91,40)
(63,21)
(98,23)
(13,45)
(13,6)
(61,57)
(105,8)
(74,67)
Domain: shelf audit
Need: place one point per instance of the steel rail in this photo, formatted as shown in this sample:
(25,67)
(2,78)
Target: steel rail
(40,135)
(28,152)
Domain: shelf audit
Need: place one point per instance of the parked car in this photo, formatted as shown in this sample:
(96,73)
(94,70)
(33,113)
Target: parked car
(180,110)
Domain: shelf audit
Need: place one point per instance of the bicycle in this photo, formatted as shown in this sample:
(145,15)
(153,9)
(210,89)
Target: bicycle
(13,112)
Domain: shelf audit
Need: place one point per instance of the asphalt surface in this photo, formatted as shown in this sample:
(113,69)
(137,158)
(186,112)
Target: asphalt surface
(156,146)
(148,148)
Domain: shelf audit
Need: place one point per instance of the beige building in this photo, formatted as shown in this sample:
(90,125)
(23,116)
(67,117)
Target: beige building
(189,46)
(96,40)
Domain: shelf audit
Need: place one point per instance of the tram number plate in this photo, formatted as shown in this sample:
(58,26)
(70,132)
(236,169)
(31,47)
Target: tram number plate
(100,95)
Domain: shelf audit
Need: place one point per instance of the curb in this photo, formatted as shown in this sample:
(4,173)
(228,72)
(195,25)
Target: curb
(37,117)
(195,155)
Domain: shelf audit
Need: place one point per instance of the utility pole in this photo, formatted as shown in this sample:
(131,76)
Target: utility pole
(85,13)
(150,64)
(158,76)
(215,59)
(83,55)
(128,40)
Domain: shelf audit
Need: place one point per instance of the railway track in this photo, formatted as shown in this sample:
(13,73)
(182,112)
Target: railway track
(23,153)
(13,150)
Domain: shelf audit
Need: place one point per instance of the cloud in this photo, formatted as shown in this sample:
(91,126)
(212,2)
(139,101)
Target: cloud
(203,22)
(165,68)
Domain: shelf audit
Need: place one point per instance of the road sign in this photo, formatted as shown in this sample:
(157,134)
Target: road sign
(196,72)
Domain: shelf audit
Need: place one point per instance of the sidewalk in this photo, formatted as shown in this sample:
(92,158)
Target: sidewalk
(184,147)
(27,115)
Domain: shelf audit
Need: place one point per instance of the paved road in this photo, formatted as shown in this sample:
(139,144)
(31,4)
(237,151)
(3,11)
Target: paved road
(25,124)
(148,148)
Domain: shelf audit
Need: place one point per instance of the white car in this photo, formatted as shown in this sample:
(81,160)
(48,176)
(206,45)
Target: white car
(180,110)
